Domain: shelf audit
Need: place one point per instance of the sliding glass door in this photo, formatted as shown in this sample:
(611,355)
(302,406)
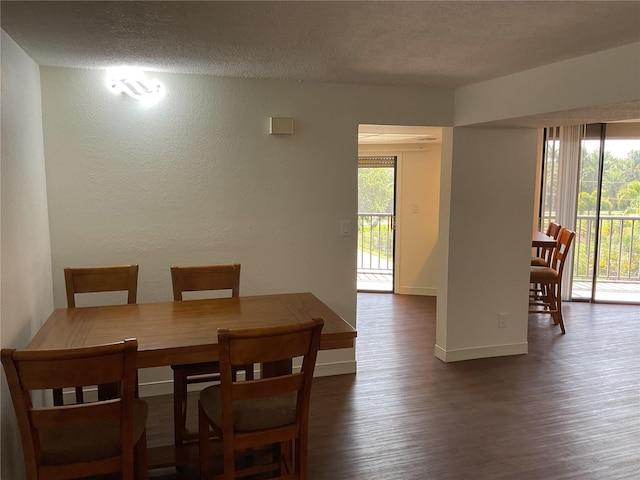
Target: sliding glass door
(606,254)
(608,218)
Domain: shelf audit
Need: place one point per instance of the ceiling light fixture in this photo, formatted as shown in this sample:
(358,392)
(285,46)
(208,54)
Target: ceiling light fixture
(133,84)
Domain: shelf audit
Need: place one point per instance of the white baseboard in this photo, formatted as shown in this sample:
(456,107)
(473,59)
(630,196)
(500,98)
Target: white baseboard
(481,352)
(424,291)
(165,387)
(335,368)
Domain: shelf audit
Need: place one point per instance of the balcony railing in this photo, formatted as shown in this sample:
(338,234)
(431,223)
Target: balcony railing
(375,243)
(618,251)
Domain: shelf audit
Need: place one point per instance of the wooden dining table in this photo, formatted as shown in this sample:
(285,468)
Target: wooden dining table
(541,240)
(173,333)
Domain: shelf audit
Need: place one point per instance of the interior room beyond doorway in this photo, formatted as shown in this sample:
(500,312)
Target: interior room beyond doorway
(410,265)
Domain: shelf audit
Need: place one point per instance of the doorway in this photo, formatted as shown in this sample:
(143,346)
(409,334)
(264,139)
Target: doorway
(411,156)
(376,223)
(605,186)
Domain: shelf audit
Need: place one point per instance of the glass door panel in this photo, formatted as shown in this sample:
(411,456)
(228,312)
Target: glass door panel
(618,278)
(376,223)
(607,247)
(584,252)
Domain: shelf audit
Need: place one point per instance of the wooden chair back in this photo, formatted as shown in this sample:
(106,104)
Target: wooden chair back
(553,229)
(33,370)
(565,238)
(263,346)
(205,277)
(101,279)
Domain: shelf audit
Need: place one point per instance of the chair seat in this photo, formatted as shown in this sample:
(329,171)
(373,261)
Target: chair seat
(253,414)
(74,444)
(538,262)
(543,275)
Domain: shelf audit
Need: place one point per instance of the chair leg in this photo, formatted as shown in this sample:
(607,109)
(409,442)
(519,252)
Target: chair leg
(229,460)
(286,459)
(301,456)
(79,395)
(141,462)
(558,304)
(58,397)
(179,406)
(203,441)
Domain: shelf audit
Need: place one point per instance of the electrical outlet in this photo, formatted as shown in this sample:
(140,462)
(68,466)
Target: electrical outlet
(502,320)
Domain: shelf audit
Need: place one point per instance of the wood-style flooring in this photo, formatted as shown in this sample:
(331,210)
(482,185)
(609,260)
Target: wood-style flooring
(569,410)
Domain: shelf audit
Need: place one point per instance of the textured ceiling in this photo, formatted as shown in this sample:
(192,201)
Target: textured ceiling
(437,44)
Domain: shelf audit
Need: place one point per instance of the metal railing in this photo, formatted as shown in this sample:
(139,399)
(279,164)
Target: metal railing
(618,250)
(375,242)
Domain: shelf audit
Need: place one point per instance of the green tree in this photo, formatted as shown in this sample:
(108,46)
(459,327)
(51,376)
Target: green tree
(589,171)
(629,198)
(587,203)
(633,169)
(375,190)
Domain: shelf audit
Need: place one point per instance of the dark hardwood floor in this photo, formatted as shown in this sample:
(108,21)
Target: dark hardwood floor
(570,409)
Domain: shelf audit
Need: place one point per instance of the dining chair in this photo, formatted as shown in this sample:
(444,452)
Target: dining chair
(87,439)
(543,255)
(272,411)
(197,279)
(92,280)
(546,281)
(101,279)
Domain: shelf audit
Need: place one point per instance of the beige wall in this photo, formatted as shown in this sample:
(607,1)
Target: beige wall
(25,259)
(418,208)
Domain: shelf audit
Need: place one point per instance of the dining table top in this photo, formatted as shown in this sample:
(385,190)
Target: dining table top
(179,332)
(539,239)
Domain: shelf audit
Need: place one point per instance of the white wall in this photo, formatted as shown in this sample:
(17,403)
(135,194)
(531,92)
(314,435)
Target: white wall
(609,77)
(197,179)
(485,241)
(25,259)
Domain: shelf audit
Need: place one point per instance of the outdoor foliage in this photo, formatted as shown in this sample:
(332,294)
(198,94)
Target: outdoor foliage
(619,248)
(375,207)
(375,190)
